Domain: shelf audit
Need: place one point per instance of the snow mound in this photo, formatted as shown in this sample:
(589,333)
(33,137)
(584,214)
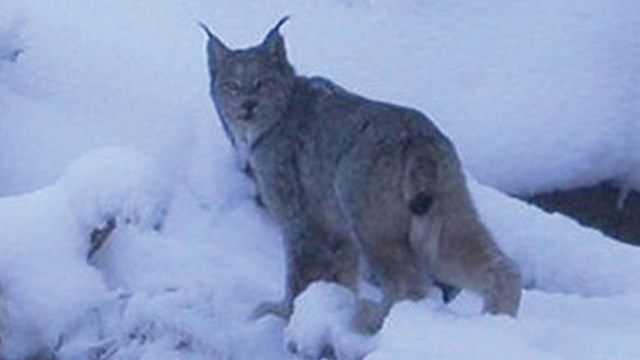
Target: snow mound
(417,330)
(548,327)
(49,292)
(321,319)
(174,324)
(554,252)
(47,285)
(119,183)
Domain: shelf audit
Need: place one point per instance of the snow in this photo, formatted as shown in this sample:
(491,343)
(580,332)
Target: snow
(106,113)
(9,38)
(117,183)
(47,284)
(594,266)
(549,327)
(42,266)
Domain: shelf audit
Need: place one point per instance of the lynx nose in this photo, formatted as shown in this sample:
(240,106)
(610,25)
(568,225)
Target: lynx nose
(249,105)
(248,108)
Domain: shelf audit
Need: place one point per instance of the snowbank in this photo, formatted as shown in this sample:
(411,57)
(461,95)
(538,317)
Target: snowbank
(49,291)
(555,253)
(117,183)
(549,327)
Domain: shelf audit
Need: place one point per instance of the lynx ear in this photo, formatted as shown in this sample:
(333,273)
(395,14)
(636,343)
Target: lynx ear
(273,43)
(216,49)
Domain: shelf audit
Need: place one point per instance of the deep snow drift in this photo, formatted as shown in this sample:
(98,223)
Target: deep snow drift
(536,95)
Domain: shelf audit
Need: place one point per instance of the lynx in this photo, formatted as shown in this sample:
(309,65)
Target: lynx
(352,181)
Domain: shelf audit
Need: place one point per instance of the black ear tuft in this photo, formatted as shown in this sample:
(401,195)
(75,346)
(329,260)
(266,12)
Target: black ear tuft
(216,49)
(274,42)
(280,23)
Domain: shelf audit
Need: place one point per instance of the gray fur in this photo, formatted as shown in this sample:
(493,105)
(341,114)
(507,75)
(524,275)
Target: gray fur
(352,180)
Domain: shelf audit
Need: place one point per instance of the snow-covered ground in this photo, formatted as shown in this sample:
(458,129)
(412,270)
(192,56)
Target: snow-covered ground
(536,95)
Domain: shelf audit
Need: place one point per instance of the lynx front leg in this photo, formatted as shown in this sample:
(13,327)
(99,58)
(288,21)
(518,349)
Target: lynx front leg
(313,255)
(321,279)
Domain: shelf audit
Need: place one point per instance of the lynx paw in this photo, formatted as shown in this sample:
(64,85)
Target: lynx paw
(321,325)
(280,309)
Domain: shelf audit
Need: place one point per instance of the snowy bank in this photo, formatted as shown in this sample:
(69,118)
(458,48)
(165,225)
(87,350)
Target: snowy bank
(48,288)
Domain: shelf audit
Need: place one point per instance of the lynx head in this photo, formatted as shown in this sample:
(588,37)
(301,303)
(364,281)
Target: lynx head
(250,87)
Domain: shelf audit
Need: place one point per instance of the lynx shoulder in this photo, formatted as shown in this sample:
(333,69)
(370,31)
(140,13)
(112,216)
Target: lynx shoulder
(351,180)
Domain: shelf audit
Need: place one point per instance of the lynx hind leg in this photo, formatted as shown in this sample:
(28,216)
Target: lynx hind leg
(368,186)
(421,188)
(505,290)
(446,230)
(468,258)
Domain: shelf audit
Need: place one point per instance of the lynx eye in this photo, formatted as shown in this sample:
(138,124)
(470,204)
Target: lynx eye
(230,87)
(264,84)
